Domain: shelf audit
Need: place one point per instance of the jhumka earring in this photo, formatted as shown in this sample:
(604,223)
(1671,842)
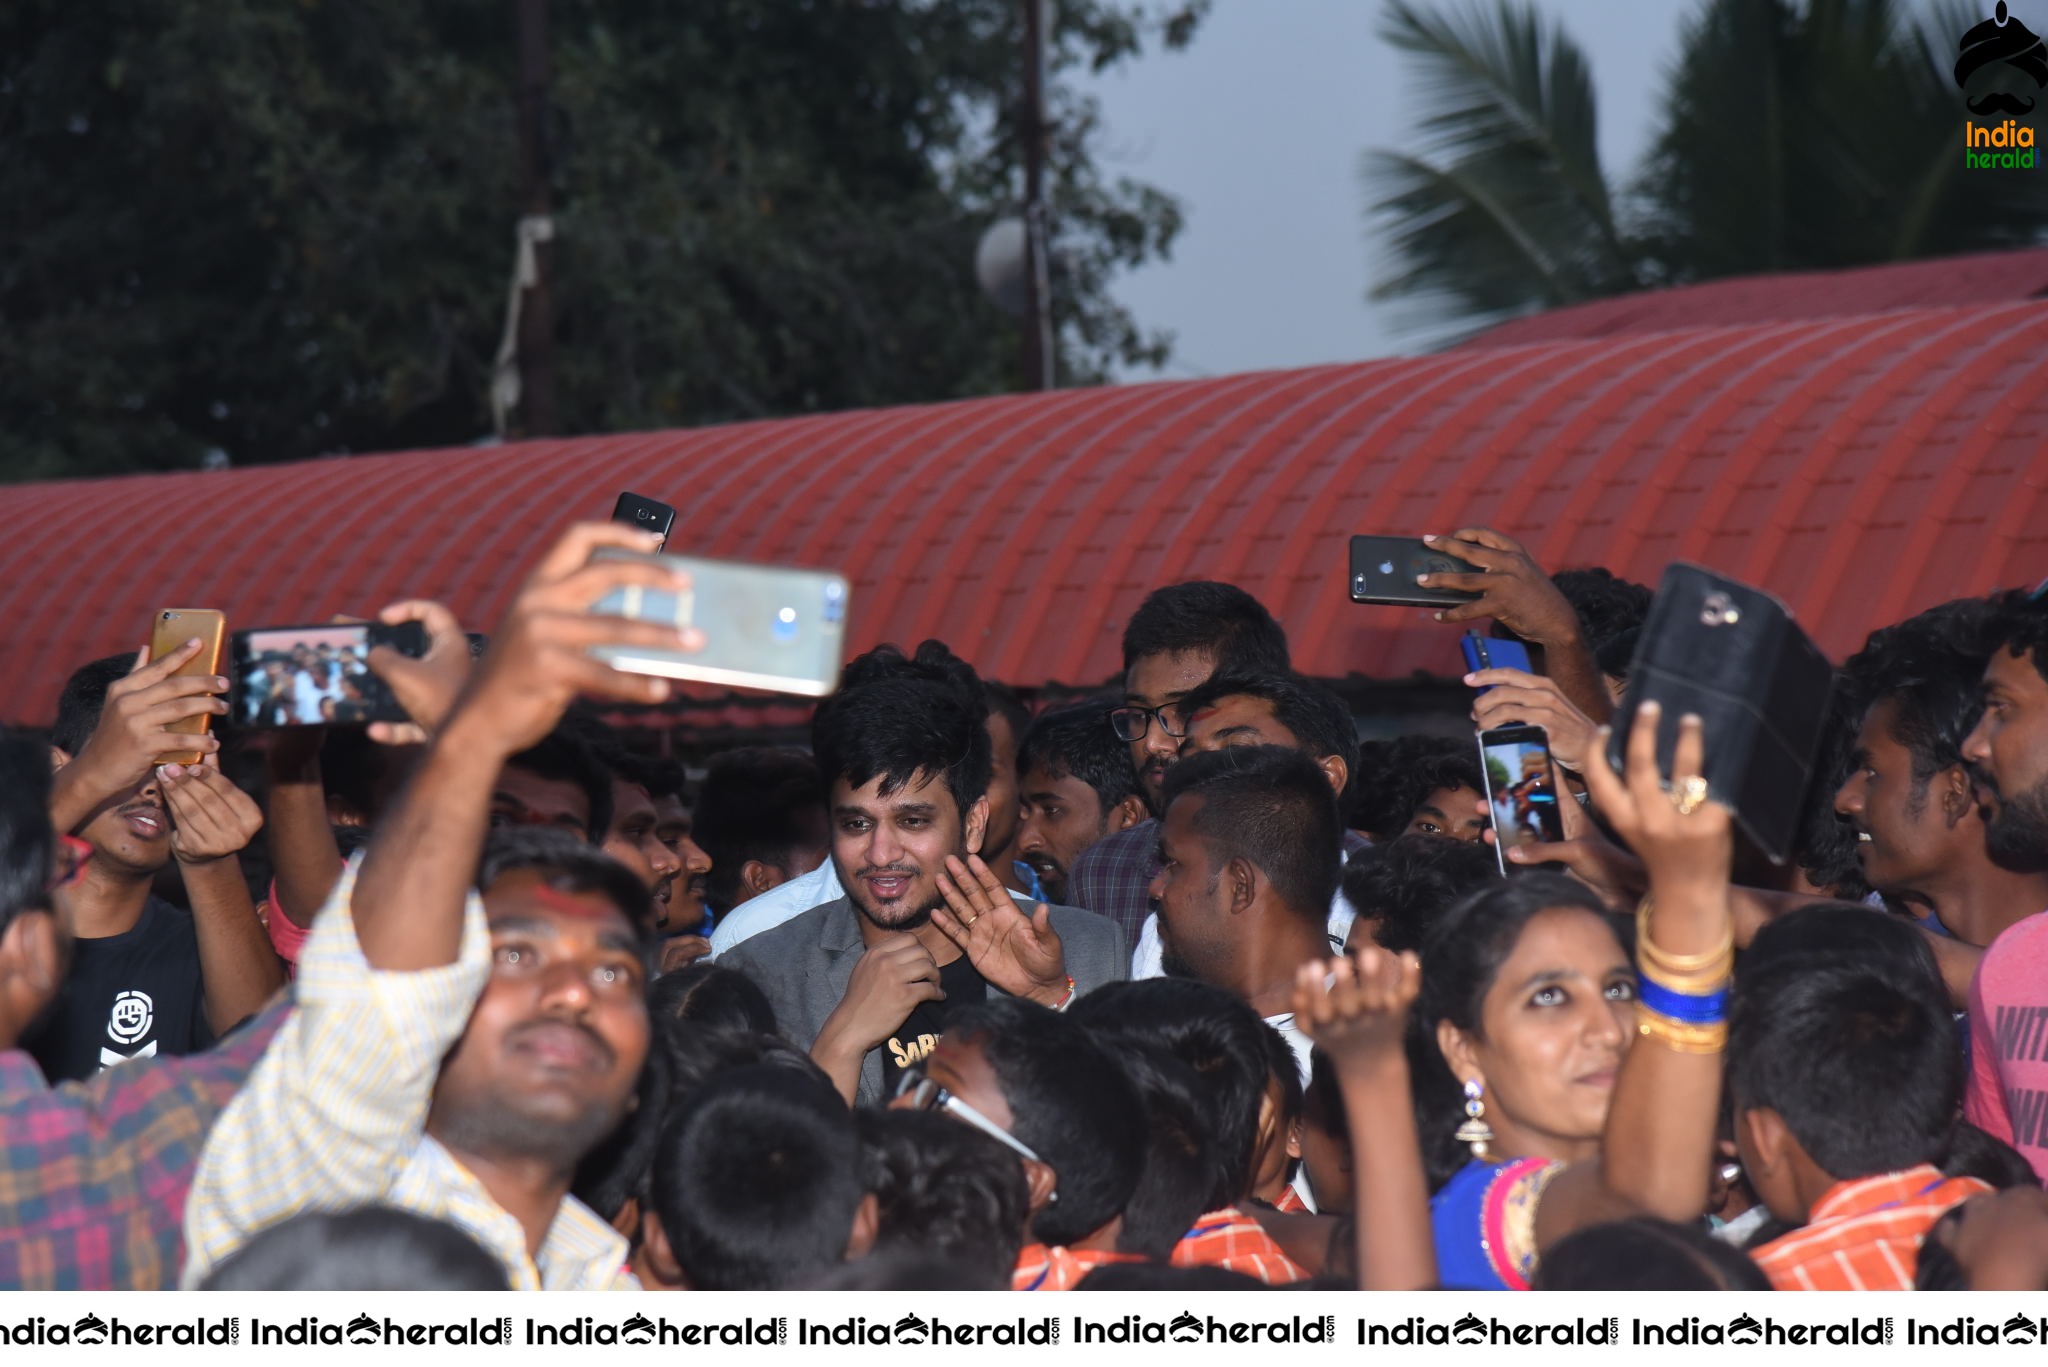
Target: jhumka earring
(1475,1131)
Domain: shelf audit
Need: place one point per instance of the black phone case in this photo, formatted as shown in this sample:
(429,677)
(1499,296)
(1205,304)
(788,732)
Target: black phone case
(1383,570)
(1733,655)
(647,514)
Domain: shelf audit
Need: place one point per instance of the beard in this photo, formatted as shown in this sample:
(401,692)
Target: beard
(1175,966)
(2016,830)
(905,913)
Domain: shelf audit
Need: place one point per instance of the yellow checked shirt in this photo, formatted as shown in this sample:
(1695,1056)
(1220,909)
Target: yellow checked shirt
(335,1117)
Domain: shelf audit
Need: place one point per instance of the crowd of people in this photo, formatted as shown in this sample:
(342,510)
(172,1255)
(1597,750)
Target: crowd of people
(1179,987)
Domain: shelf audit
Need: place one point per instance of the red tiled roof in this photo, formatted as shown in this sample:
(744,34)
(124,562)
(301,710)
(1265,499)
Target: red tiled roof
(1860,467)
(1988,278)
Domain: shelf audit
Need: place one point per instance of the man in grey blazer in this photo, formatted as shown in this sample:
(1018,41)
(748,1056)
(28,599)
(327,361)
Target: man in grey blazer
(866,982)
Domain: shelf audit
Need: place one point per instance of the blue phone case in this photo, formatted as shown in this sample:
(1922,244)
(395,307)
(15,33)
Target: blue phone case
(1483,652)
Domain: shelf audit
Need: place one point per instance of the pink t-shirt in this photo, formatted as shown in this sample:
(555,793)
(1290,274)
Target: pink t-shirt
(2008,1094)
(286,938)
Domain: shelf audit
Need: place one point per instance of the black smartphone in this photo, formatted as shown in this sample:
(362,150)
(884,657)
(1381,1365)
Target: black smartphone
(648,514)
(1521,788)
(316,675)
(1384,569)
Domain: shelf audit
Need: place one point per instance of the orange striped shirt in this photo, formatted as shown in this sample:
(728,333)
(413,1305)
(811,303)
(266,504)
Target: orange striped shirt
(1230,1238)
(1864,1235)
(1057,1269)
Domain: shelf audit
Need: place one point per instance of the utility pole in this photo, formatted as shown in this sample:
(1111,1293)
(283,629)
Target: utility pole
(1038,334)
(537,311)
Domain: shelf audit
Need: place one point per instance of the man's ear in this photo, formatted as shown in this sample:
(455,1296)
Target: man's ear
(59,757)
(1294,1140)
(656,1253)
(1242,878)
(1040,1181)
(867,1224)
(758,876)
(1336,770)
(1126,814)
(1768,1137)
(976,824)
(1958,797)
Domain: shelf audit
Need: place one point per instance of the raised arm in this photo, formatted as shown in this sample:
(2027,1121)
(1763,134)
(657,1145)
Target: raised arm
(1358,1020)
(213,822)
(1514,591)
(130,735)
(1658,1145)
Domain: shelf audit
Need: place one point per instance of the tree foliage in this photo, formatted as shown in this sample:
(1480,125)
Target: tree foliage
(283,229)
(1792,136)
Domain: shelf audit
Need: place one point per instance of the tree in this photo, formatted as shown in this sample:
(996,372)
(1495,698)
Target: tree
(287,230)
(1792,137)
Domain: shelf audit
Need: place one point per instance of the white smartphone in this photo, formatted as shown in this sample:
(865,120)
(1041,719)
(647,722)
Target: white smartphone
(770,627)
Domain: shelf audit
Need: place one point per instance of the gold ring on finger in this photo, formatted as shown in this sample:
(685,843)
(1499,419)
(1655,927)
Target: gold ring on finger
(1689,794)
(968,924)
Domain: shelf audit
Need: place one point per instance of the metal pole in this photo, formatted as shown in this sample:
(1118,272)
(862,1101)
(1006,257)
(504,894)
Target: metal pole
(537,312)
(1038,333)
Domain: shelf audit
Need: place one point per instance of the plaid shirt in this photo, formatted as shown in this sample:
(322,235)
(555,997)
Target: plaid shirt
(93,1174)
(1232,1239)
(1058,1269)
(1113,877)
(1865,1235)
(335,1116)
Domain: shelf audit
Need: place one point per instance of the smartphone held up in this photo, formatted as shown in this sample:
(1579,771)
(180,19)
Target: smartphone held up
(317,675)
(170,632)
(1521,788)
(770,627)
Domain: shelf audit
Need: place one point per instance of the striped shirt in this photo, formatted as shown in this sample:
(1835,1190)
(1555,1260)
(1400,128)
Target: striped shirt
(1864,1235)
(1231,1239)
(335,1116)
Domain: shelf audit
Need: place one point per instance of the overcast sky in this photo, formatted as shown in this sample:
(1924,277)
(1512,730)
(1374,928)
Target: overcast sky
(1258,125)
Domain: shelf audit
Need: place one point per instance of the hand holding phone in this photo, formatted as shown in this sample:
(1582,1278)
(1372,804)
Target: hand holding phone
(319,675)
(1521,788)
(645,514)
(1485,652)
(1509,697)
(1385,569)
(133,727)
(176,627)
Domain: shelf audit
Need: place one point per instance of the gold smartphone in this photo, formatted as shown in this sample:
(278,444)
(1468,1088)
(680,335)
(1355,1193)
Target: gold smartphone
(174,627)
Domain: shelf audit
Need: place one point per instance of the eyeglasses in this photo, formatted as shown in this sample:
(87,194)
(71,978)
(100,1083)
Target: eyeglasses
(68,863)
(1131,723)
(926,1095)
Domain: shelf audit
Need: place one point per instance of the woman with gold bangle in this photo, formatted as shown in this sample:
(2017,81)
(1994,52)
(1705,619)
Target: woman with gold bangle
(1587,1082)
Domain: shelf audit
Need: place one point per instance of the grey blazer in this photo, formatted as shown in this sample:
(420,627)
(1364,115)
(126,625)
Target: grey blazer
(803,966)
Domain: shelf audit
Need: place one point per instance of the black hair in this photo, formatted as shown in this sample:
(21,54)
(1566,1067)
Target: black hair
(562,756)
(947,1191)
(619,1169)
(710,995)
(898,729)
(1977,1153)
(757,803)
(1180,1158)
(1002,701)
(1826,847)
(370,1248)
(83,699)
(1272,807)
(1616,656)
(1069,1103)
(1838,1022)
(1607,604)
(27,843)
(786,1211)
(1284,1067)
(698,1053)
(1322,1099)
(567,864)
(1460,961)
(1317,717)
(1407,885)
(1215,1034)
(1931,668)
(1204,615)
(2017,623)
(899,1272)
(1646,1254)
(1935,1268)
(1396,776)
(1076,741)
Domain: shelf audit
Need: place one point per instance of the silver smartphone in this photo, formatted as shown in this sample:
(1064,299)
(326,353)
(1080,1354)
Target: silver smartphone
(771,627)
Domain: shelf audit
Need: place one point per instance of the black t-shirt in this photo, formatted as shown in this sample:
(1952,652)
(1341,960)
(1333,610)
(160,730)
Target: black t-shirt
(133,995)
(919,1033)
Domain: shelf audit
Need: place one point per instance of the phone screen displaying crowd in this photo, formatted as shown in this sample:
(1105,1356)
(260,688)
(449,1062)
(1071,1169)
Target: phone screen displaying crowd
(315,675)
(1521,791)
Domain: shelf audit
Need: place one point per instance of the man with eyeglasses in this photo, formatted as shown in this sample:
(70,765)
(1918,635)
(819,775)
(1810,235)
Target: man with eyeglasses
(1179,637)
(1040,1085)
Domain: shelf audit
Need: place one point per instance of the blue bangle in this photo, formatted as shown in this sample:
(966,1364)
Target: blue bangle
(1710,1009)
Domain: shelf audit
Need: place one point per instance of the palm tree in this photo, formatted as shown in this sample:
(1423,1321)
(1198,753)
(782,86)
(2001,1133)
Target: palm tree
(1792,137)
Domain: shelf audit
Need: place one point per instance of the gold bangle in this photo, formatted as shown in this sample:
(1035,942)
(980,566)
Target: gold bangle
(1704,984)
(1681,1036)
(1683,965)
